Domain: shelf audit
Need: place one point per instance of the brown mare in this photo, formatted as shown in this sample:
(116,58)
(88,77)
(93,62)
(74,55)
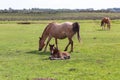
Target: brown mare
(105,21)
(59,31)
(56,54)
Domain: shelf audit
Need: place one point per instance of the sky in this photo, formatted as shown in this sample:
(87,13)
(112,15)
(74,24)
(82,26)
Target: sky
(59,4)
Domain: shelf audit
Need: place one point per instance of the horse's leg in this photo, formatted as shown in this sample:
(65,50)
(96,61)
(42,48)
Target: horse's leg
(67,46)
(70,42)
(56,43)
(104,27)
(108,26)
(49,38)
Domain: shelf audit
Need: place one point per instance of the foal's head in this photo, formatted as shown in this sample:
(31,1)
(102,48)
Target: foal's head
(41,44)
(51,48)
(55,53)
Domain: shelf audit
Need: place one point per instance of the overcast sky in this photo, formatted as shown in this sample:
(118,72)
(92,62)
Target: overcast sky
(59,4)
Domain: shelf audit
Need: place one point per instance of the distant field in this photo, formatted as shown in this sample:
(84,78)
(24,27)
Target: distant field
(97,57)
(58,16)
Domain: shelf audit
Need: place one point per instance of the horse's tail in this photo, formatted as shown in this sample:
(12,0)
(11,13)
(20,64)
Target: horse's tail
(76,29)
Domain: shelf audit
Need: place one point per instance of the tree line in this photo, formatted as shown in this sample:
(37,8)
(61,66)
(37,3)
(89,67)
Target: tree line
(39,10)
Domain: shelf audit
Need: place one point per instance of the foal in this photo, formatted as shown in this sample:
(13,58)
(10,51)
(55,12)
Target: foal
(56,54)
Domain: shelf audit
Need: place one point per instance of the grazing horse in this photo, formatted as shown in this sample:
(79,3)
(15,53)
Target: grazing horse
(105,21)
(59,31)
(56,54)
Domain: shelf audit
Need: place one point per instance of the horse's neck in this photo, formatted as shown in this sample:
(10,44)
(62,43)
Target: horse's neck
(45,33)
(44,37)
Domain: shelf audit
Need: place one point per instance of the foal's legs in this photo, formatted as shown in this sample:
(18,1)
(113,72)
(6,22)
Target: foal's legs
(49,38)
(70,42)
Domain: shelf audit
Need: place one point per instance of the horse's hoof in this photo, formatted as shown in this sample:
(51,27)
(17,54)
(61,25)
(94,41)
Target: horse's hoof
(65,50)
(39,49)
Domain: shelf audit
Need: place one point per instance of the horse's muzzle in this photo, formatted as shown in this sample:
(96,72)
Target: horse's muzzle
(39,49)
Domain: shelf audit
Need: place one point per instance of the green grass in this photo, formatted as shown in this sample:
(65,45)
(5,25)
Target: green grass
(97,57)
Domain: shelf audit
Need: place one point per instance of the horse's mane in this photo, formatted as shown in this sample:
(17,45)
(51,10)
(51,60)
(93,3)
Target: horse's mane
(46,30)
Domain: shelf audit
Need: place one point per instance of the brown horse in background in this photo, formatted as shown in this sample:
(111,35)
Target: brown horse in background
(57,54)
(59,31)
(105,21)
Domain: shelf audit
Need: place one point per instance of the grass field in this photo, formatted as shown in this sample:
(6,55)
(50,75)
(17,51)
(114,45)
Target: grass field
(97,57)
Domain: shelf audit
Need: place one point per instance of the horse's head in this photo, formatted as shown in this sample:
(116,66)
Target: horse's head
(54,51)
(102,23)
(51,48)
(41,44)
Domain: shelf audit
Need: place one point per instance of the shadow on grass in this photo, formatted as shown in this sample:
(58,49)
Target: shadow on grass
(38,52)
(45,55)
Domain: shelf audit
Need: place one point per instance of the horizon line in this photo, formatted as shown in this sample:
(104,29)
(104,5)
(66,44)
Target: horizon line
(56,8)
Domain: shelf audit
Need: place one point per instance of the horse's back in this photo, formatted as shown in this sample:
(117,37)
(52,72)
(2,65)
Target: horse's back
(61,30)
(106,19)
(63,25)
(65,53)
